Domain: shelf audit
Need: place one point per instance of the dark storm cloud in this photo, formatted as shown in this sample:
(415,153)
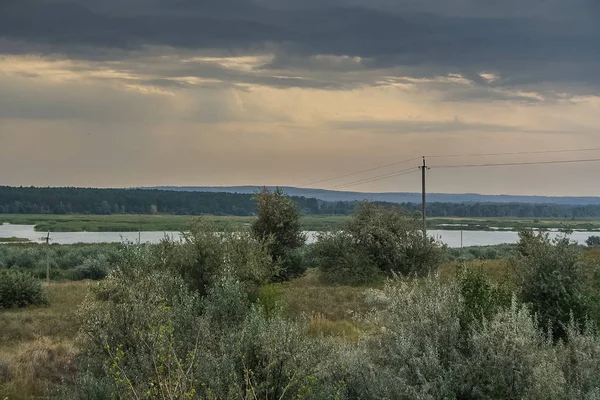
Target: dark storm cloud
(524,41)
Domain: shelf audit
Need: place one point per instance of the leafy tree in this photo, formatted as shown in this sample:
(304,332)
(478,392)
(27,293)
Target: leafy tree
(593,241)
(278,223)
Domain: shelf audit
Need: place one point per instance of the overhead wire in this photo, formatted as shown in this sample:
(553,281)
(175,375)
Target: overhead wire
(512,153)
(410,170)
(374,178)
(360,172)
(518,163)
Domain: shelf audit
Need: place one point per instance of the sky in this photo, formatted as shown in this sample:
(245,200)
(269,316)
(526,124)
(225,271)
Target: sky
(121,93)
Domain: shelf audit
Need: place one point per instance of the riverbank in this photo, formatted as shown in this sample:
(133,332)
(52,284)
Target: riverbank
(163,223)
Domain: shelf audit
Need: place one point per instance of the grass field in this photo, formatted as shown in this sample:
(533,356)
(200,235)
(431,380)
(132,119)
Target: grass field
(133,223)
(13,240)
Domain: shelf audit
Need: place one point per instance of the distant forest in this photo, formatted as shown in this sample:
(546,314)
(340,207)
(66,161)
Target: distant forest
(32,200)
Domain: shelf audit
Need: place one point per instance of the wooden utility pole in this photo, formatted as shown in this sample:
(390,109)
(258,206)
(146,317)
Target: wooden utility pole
(48,257)
(424,169)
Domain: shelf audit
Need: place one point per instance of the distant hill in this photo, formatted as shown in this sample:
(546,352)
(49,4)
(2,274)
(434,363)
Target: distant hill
(391,197)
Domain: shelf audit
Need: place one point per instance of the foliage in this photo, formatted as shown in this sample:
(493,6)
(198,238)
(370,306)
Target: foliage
(381,239)
(342,261)
(153,337)
(495,252)
(593,241)
(423,352)
(202,254)
(63,260)
(66,201)
(482,299)
(92,268)
(393,240)
(278,225)
(20,289)
(552,280)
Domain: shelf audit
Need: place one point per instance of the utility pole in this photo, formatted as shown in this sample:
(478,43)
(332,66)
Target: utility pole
(48,257)
(424,169)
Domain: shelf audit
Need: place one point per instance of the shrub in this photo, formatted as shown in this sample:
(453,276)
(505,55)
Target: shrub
(509,358)
(482,299)
(378,238)
(342,261)
(92,268)
(552,280)
(423,352)
(278,225)
(580,362)
(130,321)
(20,289)
(145,334)
(393,240)
(202,255)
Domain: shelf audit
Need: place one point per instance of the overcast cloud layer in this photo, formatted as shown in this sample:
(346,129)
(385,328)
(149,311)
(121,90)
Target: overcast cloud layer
(219,92)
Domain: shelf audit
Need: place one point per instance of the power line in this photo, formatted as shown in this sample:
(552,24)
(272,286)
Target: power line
(360,172)
(520,163)
(374,178)
(514,153)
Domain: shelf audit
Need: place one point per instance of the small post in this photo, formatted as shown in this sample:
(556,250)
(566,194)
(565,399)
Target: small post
(461,238)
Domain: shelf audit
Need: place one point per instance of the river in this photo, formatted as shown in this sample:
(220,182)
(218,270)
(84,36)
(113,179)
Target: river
(450,237)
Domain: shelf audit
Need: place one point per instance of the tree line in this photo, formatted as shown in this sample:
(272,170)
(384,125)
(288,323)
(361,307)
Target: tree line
(68,200)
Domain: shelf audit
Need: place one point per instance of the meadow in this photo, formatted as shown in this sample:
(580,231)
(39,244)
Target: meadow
(370,312)
(38,347)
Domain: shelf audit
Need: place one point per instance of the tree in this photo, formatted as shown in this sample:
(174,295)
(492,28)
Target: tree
(593,241)
(278,223)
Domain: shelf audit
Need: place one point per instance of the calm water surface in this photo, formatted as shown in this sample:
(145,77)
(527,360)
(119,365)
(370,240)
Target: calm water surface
(451,237)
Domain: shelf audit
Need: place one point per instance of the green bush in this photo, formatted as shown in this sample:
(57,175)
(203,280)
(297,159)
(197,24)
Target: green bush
(421,351)
(393,240)
(146,334)
(20,289)
(482,299)
(342,261)
(378,238)
(552,279)
(149,336)
(92,268)
(200,257)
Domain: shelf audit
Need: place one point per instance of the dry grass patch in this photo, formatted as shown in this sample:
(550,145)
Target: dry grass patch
(308,295)
(497,270)
(39,370)
(319,325)
(37,355)
(58,321)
